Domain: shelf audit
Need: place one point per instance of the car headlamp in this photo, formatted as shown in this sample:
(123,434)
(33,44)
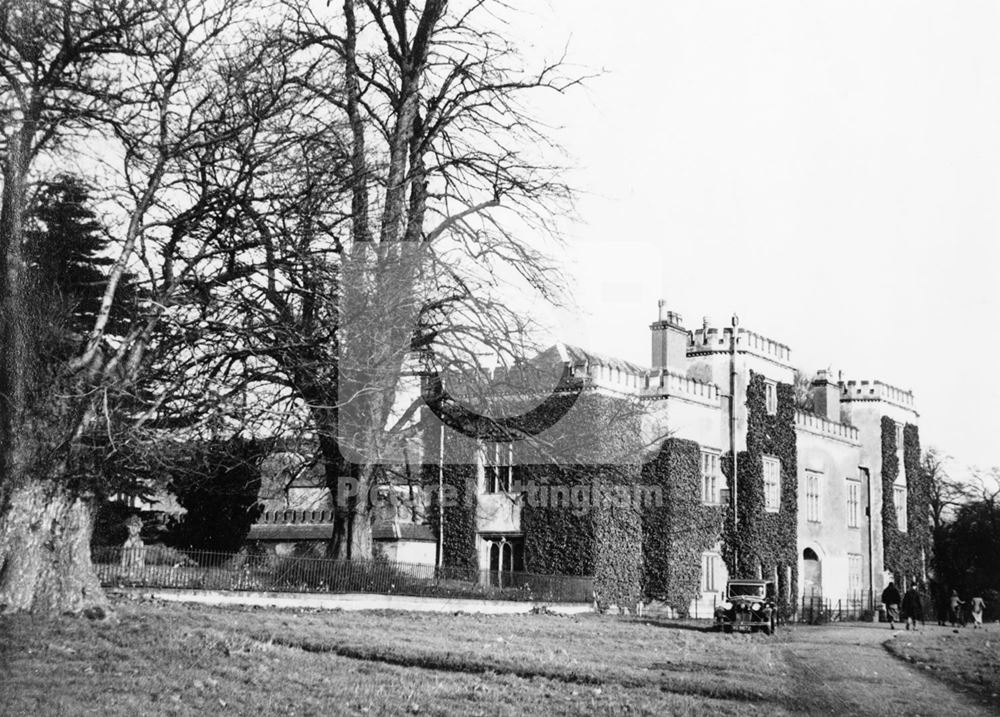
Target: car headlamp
(755,606)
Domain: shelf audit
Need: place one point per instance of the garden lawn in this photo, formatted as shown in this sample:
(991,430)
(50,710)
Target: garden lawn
(965,659)
(175,659)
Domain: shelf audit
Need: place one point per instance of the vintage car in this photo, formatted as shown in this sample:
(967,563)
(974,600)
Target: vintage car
(748,605)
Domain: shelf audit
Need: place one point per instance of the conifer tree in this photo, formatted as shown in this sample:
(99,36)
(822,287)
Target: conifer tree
(70,258)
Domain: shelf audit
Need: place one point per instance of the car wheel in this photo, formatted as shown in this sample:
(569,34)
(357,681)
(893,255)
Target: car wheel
(727,629)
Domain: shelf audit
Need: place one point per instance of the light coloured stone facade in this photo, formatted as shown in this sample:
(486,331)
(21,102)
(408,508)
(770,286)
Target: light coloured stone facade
(688,393)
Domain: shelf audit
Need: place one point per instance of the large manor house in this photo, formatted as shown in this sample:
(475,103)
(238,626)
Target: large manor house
(827,486)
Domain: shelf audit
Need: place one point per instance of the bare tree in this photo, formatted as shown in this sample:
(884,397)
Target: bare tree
(943,492)
(410,190)
(802,385)
(52,82)
(446,185)
(414,116)
(152,85)
(985,484)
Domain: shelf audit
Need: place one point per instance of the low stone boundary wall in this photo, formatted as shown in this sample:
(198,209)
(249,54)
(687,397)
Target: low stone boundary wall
(352,601)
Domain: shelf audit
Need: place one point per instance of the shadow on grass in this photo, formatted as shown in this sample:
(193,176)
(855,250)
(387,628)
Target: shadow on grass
(670,624)
(696,684)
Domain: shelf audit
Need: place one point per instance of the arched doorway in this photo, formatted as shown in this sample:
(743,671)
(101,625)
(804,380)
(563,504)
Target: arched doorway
(812,574)
(812,587)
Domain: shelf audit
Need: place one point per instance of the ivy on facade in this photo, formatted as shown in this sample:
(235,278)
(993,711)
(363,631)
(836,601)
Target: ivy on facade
(458,474)
(764,543)
(587,526)
(558,539)
(904,553)
(680,528)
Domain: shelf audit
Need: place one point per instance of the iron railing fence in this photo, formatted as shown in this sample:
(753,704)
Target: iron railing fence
(816,610)
(808,609)
(159,567)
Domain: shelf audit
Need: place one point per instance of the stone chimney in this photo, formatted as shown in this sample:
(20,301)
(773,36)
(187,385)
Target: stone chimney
(826,395)
(670,340)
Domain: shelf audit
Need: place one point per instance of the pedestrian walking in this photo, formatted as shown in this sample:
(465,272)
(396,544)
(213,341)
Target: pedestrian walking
(890,598)
(976,608)
(913,610)
(955,604)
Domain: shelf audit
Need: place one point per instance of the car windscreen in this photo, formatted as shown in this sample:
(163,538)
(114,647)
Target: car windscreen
(748,590)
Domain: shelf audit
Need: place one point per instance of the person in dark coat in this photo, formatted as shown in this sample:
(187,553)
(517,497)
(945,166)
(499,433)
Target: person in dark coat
(912,608)
(890,598)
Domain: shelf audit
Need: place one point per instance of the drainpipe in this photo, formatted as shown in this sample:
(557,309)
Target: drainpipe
(440,556)
(732,426)
(871,563)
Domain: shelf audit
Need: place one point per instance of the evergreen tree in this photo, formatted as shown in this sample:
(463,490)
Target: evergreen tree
(218,483)
(70,257)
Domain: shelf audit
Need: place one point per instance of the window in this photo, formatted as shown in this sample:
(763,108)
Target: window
(772,484)
(899,435)
(853,574)
(812,496)
(710,579)
(771,396)
(899,500)
(709,478)
(498,467)
(853,503)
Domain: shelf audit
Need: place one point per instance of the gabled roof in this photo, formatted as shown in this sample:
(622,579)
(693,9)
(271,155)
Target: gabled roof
(576,355)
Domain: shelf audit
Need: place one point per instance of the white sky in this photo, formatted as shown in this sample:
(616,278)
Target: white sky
(827,170)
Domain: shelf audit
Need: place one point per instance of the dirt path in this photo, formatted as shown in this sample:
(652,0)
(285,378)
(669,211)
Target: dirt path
(846,670)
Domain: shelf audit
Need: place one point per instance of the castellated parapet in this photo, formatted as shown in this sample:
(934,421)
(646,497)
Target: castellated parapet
(666,383)
(626,377)
(876,391)
(823,426)
(710,340)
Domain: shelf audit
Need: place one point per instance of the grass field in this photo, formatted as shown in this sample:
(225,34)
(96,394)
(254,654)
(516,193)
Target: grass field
(172,659)
(967,660)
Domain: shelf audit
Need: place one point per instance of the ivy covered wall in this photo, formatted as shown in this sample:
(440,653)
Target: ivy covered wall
(904,553)
(586,526)
(459,478)
(678,530)
(577,518)
(618,544)
(558,539)
(765,541)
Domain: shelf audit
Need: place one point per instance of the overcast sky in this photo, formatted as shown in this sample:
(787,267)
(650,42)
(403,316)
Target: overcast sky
(827,170)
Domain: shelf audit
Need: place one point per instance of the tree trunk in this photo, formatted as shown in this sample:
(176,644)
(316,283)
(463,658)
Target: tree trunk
(335,469)
(352,528)
(45,564)
(361,546)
